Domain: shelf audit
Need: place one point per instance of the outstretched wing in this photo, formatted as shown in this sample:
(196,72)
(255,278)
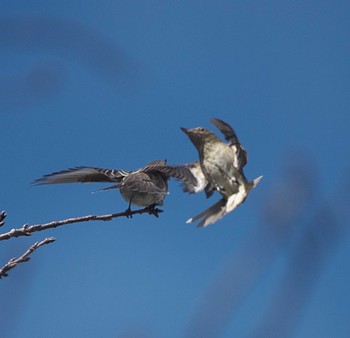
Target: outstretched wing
(156,163)
(200,182)
(83,175)
(191,176)
(241,157)
(181,172)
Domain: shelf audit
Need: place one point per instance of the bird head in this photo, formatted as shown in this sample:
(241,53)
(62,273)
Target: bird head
(199,135)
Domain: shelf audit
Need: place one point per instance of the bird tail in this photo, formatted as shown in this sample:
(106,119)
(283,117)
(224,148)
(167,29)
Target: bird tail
(210,215)
(116,186)
(235,200)
(223,207)
(255,182)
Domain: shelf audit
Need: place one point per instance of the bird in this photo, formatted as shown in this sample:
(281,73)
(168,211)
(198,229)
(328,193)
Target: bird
(145,187)
(220,168)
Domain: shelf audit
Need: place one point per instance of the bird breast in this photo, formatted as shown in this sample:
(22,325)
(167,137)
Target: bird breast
(217,166)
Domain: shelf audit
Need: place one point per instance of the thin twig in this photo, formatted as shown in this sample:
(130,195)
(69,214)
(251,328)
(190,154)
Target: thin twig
(27,230)
(25,257)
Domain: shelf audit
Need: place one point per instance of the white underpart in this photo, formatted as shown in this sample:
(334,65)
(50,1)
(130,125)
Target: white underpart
(236,199)
(235,158)
(201,180)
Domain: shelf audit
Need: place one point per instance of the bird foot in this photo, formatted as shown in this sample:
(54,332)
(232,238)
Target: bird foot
(152,210)
(128,213)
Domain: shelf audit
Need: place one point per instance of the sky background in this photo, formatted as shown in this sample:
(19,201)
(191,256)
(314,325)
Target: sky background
(109,84)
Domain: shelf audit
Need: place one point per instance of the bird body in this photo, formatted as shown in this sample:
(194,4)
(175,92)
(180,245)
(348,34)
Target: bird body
(222,167)
(218,169)
(144,189)
(147,186)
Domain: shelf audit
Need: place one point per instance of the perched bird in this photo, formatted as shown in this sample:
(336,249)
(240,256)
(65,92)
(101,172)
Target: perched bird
(146,187)
(220,168)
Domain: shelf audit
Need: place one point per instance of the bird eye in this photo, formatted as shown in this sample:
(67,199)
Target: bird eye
(201,129)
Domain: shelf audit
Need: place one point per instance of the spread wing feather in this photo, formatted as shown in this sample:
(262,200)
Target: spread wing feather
(82,174)
(241,158)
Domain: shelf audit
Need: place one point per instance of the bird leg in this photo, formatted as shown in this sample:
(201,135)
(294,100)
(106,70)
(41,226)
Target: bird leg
(128,210)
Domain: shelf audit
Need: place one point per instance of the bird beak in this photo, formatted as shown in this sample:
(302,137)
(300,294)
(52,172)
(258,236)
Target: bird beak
(184,130)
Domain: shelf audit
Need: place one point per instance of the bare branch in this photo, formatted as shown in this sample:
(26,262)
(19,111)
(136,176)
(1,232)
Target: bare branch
(25,257)
(27,230)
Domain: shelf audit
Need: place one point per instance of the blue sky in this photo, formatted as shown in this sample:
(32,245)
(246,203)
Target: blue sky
(109,84)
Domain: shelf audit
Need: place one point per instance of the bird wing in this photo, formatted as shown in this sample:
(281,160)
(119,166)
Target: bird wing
(143,182)
(201,181)
(179,172)
(241,157)
(191,176)
(83,174)
(226,130)
(156,163)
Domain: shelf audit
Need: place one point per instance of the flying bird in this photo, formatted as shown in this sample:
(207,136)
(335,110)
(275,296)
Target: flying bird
(146,187)
(220,168)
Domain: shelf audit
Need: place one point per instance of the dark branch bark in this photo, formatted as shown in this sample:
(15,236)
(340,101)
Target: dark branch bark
(25,257)
(27,230)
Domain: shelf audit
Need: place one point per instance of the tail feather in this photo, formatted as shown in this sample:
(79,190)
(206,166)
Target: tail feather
(210,215)
(224,206)
(255,182)
(116,186)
